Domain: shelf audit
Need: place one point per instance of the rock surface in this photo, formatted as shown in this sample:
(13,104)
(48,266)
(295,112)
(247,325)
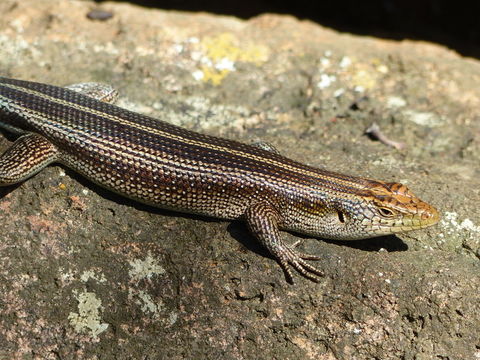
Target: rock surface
(86,274)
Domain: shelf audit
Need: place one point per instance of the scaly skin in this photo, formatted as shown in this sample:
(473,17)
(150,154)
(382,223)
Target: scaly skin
(163,165)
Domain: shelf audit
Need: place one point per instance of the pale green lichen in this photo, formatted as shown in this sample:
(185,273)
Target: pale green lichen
(91,274)
(423,118)
(172,318)
(146,302)
(145,268)
(459,233)
(87,320)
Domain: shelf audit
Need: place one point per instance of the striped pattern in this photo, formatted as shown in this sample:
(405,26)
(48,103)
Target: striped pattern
(110,117)
(167,166)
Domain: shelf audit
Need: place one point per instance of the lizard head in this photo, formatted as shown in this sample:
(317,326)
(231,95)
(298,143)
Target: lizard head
(386,208)
(367,209)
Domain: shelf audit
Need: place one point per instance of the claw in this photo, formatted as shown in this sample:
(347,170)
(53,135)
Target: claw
(288,256)
(304,256)
(263,219)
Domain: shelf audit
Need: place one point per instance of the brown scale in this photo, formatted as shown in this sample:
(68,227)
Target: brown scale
(170,167)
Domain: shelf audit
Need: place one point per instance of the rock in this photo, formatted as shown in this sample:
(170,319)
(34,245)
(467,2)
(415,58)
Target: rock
(86,274)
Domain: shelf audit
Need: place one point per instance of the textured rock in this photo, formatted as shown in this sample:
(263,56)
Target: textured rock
(86,274)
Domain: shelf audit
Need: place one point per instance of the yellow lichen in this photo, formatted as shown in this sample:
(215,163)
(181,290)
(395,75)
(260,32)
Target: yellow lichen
(212,75)
(223,51)
(365,79)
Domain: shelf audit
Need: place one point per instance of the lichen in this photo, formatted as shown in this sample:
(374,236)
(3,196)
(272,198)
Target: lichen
(221,52)
(87,320)
(145,268)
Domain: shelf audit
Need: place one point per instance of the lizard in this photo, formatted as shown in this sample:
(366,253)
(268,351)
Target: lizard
(160,164)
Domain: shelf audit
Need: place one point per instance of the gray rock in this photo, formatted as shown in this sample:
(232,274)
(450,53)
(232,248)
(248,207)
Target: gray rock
(86,274)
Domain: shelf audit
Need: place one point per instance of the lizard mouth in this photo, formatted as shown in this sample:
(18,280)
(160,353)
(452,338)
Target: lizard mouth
(429,217)
(426,217)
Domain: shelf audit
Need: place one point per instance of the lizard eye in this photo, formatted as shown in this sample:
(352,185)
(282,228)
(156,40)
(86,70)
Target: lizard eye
(386,212)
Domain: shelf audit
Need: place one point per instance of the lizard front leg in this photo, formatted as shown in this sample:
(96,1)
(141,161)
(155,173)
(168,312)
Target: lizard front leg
(263,221)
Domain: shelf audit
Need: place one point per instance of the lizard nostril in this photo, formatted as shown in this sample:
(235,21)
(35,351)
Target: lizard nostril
(432,214)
